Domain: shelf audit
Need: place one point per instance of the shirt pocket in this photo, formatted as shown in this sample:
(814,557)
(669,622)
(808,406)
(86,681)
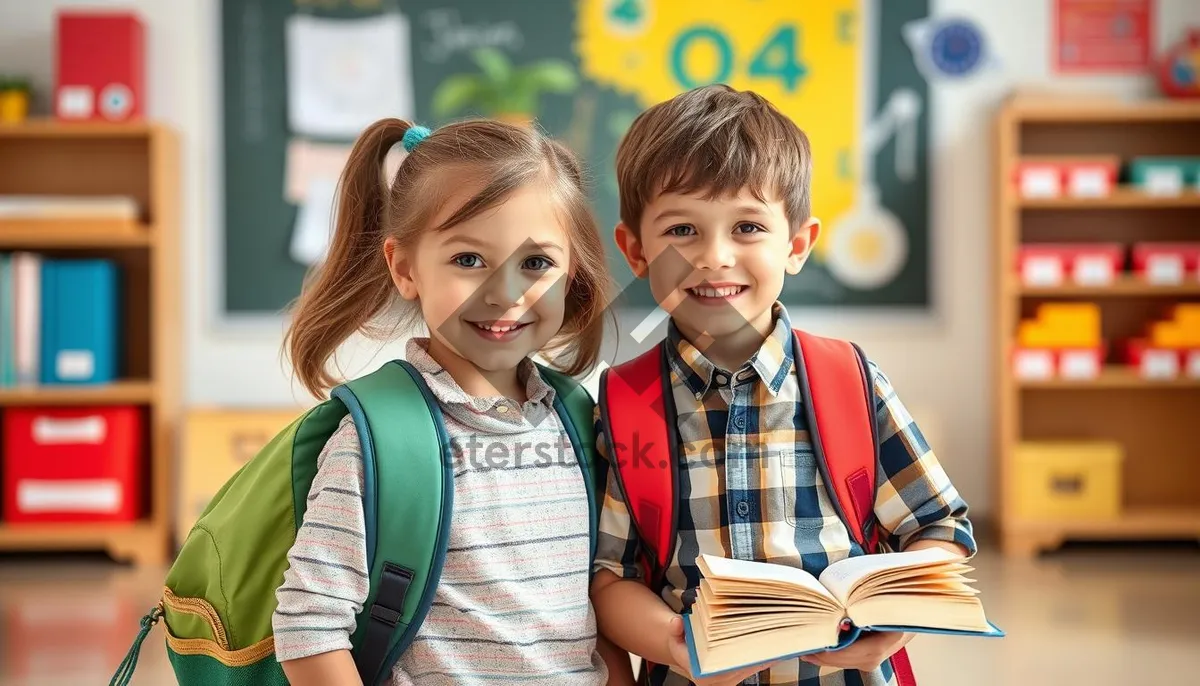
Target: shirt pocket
(801,505)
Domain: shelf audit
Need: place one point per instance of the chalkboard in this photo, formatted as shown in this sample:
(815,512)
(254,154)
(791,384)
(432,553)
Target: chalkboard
(825,64)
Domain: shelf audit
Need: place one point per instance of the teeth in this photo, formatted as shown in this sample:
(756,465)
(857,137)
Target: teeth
(497,329)
(724,292)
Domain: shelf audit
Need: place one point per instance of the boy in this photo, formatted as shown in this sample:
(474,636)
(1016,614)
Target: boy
(715,212)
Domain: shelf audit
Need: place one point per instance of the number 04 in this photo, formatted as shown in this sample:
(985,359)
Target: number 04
(776,58)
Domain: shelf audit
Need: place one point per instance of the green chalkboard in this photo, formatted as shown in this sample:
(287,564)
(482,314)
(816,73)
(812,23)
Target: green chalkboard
(261,276)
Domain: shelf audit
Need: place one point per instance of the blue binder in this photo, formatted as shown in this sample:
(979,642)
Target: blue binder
(80,313)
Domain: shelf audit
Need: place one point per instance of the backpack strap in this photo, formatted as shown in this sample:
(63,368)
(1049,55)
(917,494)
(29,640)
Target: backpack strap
(577,411)
(408,485)
(838,398)
(639,421)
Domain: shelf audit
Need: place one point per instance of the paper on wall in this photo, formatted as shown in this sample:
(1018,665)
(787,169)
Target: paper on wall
(314,221)
(344,74)
(307,160)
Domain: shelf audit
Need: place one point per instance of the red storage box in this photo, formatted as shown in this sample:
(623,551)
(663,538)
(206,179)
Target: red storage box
(1192,365)
(1081,177)
(1053,264)
(73,464)
(100,67)
(1167,263)
(1154,362)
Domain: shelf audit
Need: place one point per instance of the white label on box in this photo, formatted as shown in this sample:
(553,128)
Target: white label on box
(1089,183)
(1079,364)
(1093,270)
(75,365)
(1035,364)
(1164,181)
(1193,365)
(75,102)
(1165,269)
(1042,271)
(1040,183)
(83,430)
(1160,364)
(101,496)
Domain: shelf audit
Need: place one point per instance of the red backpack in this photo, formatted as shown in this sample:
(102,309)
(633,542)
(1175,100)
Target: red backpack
(638,415)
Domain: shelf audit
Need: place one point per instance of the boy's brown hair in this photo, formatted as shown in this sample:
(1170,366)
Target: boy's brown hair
(353,290)
(719,140)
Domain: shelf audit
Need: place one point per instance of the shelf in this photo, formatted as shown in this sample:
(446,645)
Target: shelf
(119,393)
(1055,107)
(51,128)
(70,233)
(1120,198)
(141,541)
(1113,376)
(1134,523)
(1124,286)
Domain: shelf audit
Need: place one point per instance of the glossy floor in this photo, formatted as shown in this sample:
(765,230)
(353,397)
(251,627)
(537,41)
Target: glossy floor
(1097,616)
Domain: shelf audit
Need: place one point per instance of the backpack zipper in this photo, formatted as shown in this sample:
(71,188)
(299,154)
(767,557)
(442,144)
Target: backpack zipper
(200,608)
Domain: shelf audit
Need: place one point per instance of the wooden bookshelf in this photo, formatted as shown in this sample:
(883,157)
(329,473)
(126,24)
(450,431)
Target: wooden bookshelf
(1151,419)
(138,160)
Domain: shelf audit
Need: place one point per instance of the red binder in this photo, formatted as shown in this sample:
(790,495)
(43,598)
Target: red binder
(100,69)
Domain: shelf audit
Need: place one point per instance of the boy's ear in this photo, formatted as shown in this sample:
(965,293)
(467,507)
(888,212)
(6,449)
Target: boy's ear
(802,245)
(631,248)
(400,268)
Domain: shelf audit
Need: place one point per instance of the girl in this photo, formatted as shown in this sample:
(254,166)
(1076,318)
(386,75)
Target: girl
(486,236)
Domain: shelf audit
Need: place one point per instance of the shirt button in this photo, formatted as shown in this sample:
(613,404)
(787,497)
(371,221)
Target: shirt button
(739,421)
(699,396)
(721,379)
(503,409)
(743,509)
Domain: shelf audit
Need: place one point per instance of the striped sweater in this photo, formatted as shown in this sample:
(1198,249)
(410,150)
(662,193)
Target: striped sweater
(512,602)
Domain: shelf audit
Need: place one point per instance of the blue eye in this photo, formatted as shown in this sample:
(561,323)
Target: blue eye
(681,230)
(468,261)
(747,228)
(537,263)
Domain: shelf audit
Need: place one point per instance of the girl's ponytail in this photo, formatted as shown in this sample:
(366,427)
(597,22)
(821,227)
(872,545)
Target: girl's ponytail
(353,284)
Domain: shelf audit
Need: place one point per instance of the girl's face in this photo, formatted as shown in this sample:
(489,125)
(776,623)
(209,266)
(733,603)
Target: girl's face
(491,289)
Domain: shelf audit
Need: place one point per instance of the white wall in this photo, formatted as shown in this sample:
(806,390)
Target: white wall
(941,363)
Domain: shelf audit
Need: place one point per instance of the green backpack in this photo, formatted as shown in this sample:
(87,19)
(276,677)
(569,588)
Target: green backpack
(220,592)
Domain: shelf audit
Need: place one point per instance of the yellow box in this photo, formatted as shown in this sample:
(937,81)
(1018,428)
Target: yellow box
(1068,479)
(1072,315)
(1168,335)
(216,443)
(1034,334)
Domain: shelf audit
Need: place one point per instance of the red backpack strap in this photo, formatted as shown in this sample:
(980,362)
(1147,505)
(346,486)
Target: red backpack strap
(638,417)
(839,397)
(840,402)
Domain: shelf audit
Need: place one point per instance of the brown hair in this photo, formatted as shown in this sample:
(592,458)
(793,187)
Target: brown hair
(718,140)
(353,286)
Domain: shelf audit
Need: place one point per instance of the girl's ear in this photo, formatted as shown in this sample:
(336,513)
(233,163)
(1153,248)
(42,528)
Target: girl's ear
(802,245)
(400,267)
(631,248)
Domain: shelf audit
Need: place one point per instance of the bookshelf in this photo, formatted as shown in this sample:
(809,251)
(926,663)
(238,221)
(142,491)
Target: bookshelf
(1151,419)
(138,160)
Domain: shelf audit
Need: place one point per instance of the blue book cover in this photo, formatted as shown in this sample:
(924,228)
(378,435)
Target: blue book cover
(750,613)
(80,321)
(8,340)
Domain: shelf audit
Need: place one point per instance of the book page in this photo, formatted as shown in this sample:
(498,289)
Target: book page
(842,577)
(718,568)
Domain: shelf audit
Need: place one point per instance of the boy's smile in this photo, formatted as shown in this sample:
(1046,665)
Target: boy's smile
(717,264)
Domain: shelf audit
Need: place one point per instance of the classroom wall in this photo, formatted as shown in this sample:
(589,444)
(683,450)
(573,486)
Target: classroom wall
(941,363)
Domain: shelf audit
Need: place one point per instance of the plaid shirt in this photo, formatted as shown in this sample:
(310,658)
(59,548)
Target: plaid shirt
(750,487)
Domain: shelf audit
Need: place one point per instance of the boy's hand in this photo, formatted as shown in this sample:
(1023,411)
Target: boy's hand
(865,654)
(682,660)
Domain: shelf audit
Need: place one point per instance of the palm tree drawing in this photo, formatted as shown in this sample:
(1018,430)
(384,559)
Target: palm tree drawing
(502,90)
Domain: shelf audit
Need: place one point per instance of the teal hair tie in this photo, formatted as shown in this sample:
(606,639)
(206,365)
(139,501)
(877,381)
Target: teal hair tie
(413,137)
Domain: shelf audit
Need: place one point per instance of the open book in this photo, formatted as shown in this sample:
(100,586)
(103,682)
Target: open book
(748,613)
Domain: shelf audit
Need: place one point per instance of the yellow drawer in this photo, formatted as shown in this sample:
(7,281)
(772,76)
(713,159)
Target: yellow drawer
(1068,480)
(216,443)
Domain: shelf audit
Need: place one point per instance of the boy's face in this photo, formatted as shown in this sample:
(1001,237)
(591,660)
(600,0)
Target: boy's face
(716,265)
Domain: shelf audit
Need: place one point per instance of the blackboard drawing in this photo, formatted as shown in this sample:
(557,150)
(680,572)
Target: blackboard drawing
(344,74)
(502,90)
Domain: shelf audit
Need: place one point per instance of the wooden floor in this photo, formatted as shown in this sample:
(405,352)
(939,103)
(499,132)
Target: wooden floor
(1095,616)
